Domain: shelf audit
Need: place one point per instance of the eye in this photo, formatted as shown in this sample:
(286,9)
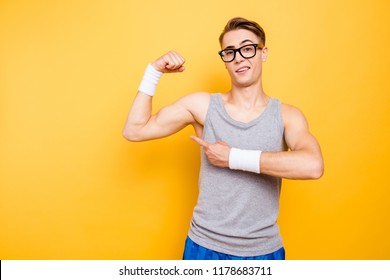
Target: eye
(228,52)
(247,49)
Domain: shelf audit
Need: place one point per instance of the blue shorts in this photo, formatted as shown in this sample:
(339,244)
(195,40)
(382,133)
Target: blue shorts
(193,251)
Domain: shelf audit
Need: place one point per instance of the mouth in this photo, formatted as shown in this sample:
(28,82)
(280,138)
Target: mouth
(242,69)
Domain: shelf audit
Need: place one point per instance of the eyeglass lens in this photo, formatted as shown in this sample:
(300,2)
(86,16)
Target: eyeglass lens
(247,51)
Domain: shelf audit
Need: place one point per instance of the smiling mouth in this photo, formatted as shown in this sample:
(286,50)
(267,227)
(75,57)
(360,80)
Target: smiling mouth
(242,69)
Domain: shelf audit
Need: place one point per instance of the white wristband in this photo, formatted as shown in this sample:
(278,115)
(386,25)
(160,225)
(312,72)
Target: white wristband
(246,160)
(149,80)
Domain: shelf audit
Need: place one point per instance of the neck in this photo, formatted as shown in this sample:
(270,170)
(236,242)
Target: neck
(248,96)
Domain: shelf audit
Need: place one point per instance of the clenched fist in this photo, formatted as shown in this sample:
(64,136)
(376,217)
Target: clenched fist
(170,62)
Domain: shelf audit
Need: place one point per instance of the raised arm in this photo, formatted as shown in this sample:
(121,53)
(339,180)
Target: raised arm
(141,125)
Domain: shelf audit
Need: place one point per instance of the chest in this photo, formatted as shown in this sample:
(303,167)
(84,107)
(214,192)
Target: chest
(260,129)
(243,115)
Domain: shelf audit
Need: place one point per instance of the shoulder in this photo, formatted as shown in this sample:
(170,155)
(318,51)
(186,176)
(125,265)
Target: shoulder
(290,109)
(195,99)
(199,96)
(292,116)
(197,104)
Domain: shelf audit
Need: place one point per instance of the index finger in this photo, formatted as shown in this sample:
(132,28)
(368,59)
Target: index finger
(200,141)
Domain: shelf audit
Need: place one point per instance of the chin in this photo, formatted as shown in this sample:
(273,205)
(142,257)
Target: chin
(243,84)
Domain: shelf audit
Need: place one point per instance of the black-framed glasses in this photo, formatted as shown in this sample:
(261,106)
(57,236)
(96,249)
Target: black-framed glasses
(247,51)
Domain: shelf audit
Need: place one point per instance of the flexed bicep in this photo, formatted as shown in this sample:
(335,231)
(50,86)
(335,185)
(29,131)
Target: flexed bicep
(167,121)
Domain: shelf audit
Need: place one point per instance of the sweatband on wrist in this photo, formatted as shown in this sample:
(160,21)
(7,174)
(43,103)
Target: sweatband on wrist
(246,160)
(149,80)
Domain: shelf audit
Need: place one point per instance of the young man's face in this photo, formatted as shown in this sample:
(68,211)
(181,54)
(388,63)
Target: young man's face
(244,71)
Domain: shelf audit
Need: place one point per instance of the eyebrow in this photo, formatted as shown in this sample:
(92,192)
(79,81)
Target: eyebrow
(243,42)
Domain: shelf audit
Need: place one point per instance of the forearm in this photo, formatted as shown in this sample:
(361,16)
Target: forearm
(140,124)
(304,163)
(138,116)
(301,164)
(141,109)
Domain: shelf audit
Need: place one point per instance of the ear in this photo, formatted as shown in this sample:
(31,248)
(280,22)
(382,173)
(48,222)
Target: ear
(264,54)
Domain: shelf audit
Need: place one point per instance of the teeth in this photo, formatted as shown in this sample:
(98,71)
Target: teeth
(242,69)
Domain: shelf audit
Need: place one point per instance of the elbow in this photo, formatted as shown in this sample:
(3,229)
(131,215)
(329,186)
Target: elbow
(316,170)
(131,135)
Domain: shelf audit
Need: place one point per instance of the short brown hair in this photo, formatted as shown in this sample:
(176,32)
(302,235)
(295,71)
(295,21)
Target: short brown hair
(242,23)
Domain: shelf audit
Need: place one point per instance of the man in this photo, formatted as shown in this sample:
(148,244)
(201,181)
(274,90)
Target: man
(249,141)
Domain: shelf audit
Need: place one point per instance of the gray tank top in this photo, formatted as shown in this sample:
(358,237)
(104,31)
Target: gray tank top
(236,212)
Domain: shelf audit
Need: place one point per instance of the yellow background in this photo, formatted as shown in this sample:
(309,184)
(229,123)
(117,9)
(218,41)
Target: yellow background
(72,188)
